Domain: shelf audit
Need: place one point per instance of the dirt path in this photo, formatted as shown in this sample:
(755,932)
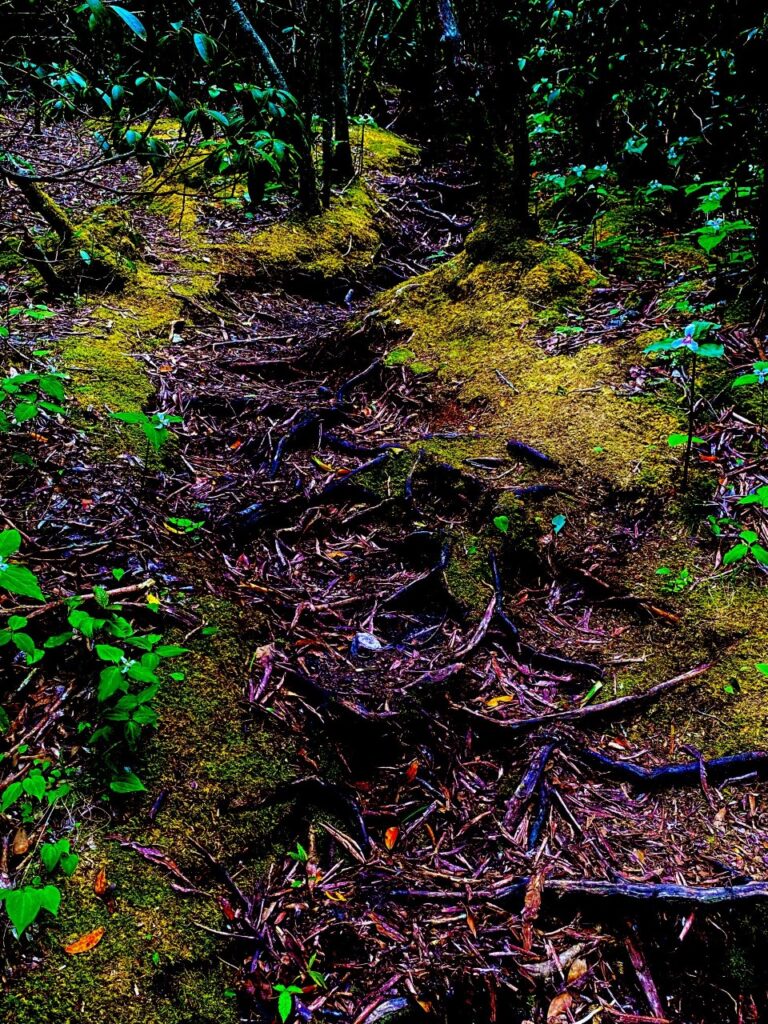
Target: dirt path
(413,685)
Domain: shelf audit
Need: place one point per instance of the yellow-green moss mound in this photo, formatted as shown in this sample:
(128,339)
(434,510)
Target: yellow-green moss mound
(341,243)
(476,323)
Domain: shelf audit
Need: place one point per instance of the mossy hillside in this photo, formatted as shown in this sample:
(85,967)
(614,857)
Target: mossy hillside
(469,320)
(154,963)
(723,623)
(102,355)
(339,244)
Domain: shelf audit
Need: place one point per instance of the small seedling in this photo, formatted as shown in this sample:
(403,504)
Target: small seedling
(758,377)
(747,546)
(285,998)
(674,582)
(691,342)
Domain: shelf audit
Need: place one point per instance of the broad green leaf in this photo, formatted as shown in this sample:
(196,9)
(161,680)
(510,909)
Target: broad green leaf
(170,650)
(10,542)
(20,581)
(50,899)
(133,23)
(34,785)
(735,554)
(22,906)
(110,681)
(711,351)
(677,440)
(108,653)
(128,783)
(10,795)
(51,853)
(69,863)
(205,46)
(501,523)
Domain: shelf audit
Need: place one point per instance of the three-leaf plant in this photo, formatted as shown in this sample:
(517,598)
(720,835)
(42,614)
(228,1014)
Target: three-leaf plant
(693,344)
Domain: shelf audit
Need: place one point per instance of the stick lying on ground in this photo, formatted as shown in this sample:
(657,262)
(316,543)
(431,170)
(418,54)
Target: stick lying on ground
(512,896)
(610,708)
(719,769)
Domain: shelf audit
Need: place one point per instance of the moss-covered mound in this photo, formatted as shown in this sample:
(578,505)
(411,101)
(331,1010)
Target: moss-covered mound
(475,323)
(338,245)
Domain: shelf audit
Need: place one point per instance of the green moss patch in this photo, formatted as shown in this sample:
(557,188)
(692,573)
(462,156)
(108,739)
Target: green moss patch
(477,323)
(154,962)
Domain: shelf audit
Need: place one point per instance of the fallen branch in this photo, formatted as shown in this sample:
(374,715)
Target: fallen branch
(32,611)
(719,769)
(610,708)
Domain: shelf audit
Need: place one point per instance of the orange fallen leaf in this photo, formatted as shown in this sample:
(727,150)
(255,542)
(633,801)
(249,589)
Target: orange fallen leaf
(558,1007)
(20,843)
(390,837)
(100,883)
(577,970)
(86,942)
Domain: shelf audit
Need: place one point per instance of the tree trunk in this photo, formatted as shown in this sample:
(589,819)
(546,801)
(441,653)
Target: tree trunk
(343,165)
(41,203)
(296,132)
(505,179)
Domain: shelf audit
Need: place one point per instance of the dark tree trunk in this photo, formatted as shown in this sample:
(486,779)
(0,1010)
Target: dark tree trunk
(296,132)
(496,112)
(343,165)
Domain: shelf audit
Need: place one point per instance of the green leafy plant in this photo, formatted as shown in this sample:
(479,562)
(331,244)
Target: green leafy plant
(693,345)
(285,999)
(314,975)
(26,396)
(16,578)
(747,546)
(674,582)
(760,497)
(39,311)
(13,633)
(154,427)
(58,855)
(181,525)
(23,905)
(757,376)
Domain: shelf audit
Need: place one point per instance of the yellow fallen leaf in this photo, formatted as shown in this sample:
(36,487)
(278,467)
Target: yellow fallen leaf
(495,701)
(86,942)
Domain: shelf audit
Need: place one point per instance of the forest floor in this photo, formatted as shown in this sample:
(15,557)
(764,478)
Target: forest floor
(446,742)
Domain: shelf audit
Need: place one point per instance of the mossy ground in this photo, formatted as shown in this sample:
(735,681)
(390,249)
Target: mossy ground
(476,323)
(154,963)
(341,243)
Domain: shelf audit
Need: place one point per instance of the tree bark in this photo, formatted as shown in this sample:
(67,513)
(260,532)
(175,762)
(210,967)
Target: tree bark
(343,165)
(296,131)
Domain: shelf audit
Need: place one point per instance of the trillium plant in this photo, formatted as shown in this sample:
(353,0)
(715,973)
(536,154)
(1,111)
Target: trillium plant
(757,376)
(695,346)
